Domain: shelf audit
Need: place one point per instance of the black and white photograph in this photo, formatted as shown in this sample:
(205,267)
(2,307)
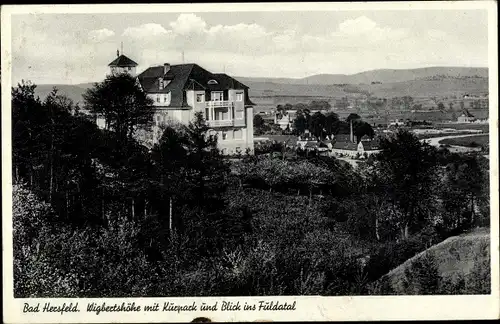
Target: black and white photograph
(232,151)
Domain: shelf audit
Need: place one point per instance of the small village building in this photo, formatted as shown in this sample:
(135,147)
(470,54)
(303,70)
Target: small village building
(466,117)
(348,145)
(285,119)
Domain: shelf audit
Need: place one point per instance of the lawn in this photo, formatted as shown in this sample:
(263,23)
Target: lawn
(470,141)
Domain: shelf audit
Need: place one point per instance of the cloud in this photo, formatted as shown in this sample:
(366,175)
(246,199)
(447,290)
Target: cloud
(145,31)
(355,44)
(362,30)
(360,25)
(100,34)
(187,24)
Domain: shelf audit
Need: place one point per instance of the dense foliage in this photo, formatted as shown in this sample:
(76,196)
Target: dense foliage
(97,214)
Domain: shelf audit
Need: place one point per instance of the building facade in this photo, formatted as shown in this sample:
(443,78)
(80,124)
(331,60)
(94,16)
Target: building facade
(180,91)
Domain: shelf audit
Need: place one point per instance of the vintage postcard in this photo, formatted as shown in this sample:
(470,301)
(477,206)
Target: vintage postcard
(250,162)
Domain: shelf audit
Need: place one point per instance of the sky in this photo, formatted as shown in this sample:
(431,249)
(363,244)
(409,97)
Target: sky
(76,48)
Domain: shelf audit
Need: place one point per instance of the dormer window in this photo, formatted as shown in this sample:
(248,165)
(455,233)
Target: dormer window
(160,83)
(212,82)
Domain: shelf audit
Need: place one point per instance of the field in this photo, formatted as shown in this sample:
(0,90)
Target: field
(484,127)
(471,141)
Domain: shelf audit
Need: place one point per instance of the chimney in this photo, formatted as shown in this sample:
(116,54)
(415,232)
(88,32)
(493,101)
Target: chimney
(166,68)
(351,133)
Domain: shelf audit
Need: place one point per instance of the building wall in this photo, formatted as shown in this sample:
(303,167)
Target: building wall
(249,128)
(118,70)
(160,99)
(191,100)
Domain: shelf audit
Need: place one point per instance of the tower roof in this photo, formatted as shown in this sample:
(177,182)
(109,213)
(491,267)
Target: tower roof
(122,61)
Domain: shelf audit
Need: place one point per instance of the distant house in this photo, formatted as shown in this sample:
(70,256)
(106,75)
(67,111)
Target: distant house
(396,123)
(285,119)
(466,117)
(348,145)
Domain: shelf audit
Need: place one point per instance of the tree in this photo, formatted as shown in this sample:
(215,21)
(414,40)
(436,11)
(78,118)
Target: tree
(123,104)
(28,121)
(407,102)
(331,123)
(300,124)
(353,117)
(441,106)
(258,123)
(320,105)
(317,124)
(362,128)
(461,192)
(408,167)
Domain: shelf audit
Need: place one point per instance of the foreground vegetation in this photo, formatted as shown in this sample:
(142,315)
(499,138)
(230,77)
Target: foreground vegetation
(96,214)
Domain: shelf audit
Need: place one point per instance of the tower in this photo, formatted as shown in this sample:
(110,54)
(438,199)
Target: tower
(122,64)
(351,132)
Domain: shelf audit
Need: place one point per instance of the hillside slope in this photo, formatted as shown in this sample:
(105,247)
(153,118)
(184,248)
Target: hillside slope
(416,88)
(462,264)
(381,75)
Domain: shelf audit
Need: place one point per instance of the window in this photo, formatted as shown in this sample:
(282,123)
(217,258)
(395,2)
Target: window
(157,98)
(161,84)
(165,98)
(239,96)
(212,82)
(129,68)
(224,135)
(200,97)
(217,95)
(237,134)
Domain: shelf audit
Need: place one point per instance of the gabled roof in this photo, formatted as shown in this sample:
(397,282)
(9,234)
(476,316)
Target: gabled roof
(122,61)
(370,145)
(187,77)
(467,113)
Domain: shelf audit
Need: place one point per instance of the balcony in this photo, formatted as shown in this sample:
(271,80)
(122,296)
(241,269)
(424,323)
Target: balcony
(222,114)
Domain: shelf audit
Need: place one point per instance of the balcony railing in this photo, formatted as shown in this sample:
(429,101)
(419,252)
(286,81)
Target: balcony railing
(219,104)
(220,123)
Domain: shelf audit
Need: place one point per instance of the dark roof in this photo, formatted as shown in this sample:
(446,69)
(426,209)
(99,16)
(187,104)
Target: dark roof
(342,137)
(122,61)
(467,113)
(370,145)
(342,145)
(187,77)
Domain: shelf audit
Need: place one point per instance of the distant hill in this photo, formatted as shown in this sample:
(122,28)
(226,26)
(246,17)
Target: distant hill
(424,82)
(439,87)
(74,92)
(382,75)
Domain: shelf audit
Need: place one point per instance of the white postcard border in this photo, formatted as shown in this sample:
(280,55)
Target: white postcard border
(308,308)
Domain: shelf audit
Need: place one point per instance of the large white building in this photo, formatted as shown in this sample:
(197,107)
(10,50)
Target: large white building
(179,91)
